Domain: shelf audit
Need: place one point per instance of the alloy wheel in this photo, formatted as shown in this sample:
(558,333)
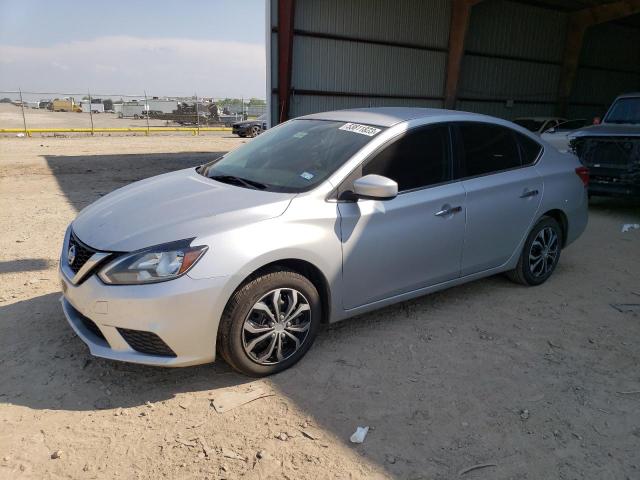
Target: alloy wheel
(276,326)
(544,252)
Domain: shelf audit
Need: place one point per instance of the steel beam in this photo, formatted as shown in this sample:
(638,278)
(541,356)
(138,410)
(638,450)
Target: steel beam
(577,26)
(460,13)
(286,14)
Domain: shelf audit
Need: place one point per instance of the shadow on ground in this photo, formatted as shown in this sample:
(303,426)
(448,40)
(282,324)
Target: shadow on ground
(83,179)
(24,265)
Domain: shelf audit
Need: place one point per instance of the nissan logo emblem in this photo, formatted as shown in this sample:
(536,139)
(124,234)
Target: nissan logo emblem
(71,255)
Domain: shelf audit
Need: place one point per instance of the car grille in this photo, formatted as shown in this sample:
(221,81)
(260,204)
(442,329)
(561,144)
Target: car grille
(83,253)
(146,342)
(609,152)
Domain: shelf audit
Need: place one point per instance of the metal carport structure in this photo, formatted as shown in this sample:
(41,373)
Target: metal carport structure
(506,58)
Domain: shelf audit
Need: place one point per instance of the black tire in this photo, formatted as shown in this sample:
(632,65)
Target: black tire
(255,131)
(523,272)
(230,331)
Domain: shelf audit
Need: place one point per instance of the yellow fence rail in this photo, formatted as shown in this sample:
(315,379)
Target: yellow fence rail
(145,130)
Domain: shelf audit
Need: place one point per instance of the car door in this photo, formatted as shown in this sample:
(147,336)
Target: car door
(414,240)
(503,191)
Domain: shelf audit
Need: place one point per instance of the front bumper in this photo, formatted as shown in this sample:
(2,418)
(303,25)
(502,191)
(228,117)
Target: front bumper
(184,313)
(240,129)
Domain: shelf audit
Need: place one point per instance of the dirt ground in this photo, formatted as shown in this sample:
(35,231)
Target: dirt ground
(535,383)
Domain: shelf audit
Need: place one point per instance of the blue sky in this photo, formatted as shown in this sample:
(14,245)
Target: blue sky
(209,47)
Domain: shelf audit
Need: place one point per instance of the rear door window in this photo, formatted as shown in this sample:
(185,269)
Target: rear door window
(417,159)
(486,148)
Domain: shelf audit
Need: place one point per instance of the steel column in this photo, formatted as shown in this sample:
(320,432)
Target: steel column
(460,13)
(286,13)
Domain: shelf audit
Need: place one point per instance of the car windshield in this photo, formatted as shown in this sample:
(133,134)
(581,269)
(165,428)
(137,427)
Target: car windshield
(292,157)
(529,123)
(624,110)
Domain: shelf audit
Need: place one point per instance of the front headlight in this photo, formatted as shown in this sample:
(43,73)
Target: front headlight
(152,265)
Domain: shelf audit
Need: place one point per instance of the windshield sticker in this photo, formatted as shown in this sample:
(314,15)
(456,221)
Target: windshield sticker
(361,129)
(300,135)
(307,175)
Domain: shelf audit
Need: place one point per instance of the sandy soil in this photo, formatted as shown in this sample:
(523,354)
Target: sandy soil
(537,382)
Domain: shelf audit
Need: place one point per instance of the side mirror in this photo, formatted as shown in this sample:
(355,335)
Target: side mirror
(375,187)
(550,130)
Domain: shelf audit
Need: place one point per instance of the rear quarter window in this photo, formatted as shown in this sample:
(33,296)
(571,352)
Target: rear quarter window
(529,149)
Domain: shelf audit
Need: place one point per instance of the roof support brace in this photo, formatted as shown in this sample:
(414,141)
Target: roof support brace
(578,24)
(286,14)
(460,13)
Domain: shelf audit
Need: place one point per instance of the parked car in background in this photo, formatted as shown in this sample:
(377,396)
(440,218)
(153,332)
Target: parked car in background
(319,219)
(250,128)
(539,124)
(611,149)
(558,136)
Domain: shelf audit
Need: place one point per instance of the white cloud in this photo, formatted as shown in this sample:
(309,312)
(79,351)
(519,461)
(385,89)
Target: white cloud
(127,64)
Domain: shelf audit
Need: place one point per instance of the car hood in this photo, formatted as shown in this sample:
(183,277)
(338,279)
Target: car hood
(169,207)
(247,122)
(607,130)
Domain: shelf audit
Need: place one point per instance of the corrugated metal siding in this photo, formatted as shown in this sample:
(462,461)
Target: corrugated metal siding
(423,22)
(500,109)
(483,77)
(605,46)
(514,29)
(613,46)
(352,67)
(305,104)
(602,86)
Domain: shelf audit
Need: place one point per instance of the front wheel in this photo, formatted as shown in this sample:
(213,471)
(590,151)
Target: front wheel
(540,254)
(269,323)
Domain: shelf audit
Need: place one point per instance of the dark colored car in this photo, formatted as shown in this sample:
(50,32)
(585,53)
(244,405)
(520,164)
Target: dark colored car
(611,150)
(250,128)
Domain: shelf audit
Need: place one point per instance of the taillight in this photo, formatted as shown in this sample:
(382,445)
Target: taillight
(583,173)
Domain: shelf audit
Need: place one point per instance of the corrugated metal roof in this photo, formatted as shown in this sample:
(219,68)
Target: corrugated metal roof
(423,22)
(344,66)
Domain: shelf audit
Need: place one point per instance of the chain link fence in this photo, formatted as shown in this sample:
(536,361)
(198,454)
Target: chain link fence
(26,113)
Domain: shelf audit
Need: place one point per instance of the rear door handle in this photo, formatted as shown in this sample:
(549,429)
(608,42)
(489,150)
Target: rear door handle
(446,211)
(529,193)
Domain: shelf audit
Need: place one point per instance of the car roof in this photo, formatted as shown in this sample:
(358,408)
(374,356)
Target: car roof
(629,95)
(389,116)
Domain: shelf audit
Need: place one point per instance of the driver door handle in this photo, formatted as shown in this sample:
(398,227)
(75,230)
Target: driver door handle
(448,211)
(529,193)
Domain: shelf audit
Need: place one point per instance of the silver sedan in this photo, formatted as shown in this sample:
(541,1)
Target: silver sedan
(318,219)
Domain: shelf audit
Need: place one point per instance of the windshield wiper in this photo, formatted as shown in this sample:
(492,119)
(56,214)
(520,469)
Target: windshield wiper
(239,181)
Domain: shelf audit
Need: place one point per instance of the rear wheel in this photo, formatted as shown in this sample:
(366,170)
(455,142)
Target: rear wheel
(269,323)
(540,254)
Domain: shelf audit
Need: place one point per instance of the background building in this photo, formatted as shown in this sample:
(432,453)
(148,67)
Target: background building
(504,58)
